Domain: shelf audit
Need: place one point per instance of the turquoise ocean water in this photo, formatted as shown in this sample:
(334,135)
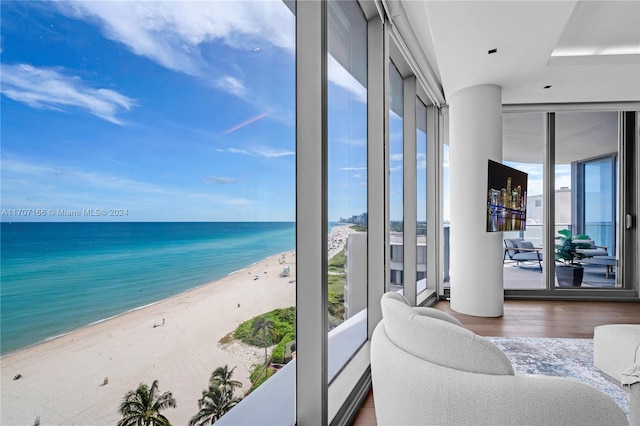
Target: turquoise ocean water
(57,277)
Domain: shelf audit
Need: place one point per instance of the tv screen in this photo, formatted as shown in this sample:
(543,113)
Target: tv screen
(506,198)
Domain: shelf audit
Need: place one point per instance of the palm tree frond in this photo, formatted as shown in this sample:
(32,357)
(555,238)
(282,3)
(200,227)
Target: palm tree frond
(143,406)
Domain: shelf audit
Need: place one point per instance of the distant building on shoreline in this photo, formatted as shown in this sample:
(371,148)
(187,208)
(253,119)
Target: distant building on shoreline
(359,219)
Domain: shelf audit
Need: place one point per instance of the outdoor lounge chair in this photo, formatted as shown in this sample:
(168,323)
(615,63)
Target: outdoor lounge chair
(593,249)
(519,250)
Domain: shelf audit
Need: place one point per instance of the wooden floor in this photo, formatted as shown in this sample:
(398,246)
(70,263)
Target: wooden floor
(527,318)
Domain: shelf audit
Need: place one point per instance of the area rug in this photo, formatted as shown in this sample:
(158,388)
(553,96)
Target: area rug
(571,358)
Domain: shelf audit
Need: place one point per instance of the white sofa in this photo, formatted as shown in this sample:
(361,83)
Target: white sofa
(428,369)
(616,347)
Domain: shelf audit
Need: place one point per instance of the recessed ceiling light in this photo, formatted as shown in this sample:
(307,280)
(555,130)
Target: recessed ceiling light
(547,87)
(492,51)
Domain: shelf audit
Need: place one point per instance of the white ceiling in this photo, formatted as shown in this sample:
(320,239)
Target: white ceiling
(588,51)
(579,136)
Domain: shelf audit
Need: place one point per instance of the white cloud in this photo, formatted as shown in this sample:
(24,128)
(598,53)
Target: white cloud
(261,151)
(219,180)
(341,77)
(172,33)
(396,157)
(353,168)
(563,181)
(234,151)
(532,169)
(353,141)
(268,152)
(231,85)
(397,137)
(51,89)
(15,167)
(40,185)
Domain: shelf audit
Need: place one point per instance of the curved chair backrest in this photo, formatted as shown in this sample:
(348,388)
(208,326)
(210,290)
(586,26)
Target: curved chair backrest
(427,335)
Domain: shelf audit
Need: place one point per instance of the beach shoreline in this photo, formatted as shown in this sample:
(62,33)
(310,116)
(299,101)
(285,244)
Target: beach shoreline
(62,378)
(175,341)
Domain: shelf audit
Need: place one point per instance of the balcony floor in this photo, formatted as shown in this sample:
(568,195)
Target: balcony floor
(528,276)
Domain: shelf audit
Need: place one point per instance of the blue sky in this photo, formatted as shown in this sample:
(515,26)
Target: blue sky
(174,111)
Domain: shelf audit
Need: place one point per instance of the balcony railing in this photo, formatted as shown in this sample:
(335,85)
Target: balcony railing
(273,403)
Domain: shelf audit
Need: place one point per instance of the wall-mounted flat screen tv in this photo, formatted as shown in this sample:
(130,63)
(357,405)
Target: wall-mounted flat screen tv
(506,198)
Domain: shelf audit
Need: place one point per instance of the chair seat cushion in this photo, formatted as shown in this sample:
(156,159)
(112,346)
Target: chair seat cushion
(531,255)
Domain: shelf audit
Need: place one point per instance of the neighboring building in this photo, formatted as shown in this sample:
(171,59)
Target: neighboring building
(397,259)
(562,207)
(355,283)
(357,219)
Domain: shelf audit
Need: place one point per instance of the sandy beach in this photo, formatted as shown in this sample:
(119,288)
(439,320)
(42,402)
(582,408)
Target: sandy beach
(63,379)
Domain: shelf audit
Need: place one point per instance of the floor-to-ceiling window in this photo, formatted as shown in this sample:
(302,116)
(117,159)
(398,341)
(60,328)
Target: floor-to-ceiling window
(446,215)
(523,147)
(598,187)
(586,191)
(148,198)
(421,200)
(396,193)
(347,182)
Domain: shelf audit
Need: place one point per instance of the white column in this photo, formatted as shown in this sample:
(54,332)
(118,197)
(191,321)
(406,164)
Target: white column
(311,215)
(475,136)
(409,188)
(377,180)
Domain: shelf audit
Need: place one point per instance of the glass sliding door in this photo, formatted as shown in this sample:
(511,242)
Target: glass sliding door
(446,215)
(523,146)
(347,182)
(396,193)
(587,193)
(421,199)
(598,188)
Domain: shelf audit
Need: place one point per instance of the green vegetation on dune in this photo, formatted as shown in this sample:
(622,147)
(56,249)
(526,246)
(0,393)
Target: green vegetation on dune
(336,295)
(284,322)
(278,353)
(278,327)
(337,262)
(336,280)
(258,376)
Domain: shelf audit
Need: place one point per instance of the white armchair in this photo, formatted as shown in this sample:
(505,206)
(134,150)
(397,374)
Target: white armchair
(428,369)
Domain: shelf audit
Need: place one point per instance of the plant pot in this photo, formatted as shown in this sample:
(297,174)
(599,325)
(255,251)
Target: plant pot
(569,276)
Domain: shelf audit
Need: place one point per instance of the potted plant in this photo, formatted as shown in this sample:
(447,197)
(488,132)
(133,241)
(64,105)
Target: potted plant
(570,273)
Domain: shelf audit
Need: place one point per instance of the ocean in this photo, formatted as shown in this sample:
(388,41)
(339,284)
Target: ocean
(57,277)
